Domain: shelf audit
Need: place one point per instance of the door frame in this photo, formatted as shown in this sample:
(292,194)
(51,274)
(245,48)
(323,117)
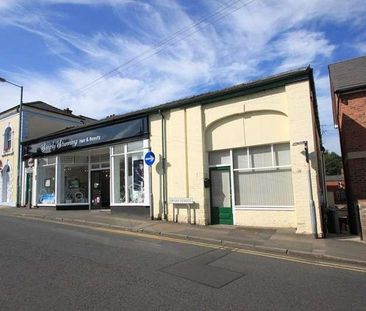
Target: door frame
(99,170)
(223,168)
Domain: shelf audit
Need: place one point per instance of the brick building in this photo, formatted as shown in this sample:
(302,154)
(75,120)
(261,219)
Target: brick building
(348,88)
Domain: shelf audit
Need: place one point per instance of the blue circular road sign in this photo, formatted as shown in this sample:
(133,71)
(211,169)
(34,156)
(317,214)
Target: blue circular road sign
(149,158)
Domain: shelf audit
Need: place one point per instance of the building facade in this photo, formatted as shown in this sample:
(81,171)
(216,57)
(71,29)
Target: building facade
(348,88)
(222,157)
(37,118)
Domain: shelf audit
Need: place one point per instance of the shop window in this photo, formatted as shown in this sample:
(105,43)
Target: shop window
(46,173)
(282,154)
(74,174)
(8,140)
(135,146)
(129,174)
(263,188)
(241,158)
(119,179)
(260,156)
(135,178)
(267,182)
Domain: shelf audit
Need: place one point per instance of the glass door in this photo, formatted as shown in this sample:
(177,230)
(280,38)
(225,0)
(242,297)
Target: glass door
(221,203)
(100,194)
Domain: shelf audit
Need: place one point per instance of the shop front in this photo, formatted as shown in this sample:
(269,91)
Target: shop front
(91,167)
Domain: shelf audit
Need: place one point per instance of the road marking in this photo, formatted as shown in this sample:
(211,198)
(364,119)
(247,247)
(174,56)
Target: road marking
(320,263)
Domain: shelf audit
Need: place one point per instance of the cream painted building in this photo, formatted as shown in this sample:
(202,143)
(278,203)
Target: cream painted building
(222,157)
(37,118)
(232,152)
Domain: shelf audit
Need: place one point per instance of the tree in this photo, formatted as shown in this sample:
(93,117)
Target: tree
(333,163)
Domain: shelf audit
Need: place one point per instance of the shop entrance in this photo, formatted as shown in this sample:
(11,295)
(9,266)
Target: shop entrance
(100,189)
(221,205)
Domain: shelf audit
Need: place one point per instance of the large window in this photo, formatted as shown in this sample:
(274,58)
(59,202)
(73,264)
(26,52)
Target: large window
(74,172)
(262,175)
(46,174)
(129,184)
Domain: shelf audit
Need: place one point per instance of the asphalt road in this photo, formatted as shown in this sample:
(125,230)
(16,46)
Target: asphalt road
(47,266)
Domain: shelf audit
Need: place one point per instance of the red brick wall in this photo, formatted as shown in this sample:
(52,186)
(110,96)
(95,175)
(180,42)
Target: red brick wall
(352,128)
(353,122)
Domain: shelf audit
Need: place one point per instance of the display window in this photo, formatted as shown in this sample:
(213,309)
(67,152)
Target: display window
(46,180)
(71,179)
(129,174)
(74,179)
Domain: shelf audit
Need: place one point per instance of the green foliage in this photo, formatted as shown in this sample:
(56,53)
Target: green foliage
(333,163)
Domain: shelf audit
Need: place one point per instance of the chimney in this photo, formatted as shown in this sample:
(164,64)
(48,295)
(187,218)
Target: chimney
(68,110)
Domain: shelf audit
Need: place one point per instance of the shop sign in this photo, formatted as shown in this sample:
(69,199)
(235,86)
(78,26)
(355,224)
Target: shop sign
(149,158)
(111,133)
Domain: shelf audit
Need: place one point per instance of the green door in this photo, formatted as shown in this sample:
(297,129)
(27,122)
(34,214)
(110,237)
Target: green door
(221,208)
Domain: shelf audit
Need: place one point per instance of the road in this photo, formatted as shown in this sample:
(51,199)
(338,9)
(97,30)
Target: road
(49,266)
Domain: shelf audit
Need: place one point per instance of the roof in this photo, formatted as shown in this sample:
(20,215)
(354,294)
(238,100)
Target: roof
(270,82)
(47,107)
(345,76)
(348,75)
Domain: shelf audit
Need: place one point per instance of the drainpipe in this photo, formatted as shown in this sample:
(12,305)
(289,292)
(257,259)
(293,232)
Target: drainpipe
(163,166)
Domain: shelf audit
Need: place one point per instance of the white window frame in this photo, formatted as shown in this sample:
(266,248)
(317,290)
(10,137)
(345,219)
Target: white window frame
(250,168)
(37,166)
(147,189)
(11,131)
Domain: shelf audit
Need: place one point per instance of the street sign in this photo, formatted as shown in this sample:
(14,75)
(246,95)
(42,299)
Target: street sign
(149,158)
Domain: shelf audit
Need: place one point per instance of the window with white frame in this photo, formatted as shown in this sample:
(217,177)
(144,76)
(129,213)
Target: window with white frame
(262,175)
(129,184)
(8,140)
(46,177)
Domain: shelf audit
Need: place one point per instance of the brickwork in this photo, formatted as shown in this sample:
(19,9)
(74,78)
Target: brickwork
(352,122)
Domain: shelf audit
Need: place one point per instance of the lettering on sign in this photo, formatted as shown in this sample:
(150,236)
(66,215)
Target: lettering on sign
(96,136)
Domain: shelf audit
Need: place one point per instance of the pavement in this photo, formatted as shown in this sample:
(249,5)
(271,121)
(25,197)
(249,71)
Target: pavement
(345,249)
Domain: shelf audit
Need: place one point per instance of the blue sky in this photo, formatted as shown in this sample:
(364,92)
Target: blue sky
(56,48)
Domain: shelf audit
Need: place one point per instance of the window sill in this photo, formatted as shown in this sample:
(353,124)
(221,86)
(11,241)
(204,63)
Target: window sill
(265,208)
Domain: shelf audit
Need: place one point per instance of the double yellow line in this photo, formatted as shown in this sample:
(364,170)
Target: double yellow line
(314,262)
